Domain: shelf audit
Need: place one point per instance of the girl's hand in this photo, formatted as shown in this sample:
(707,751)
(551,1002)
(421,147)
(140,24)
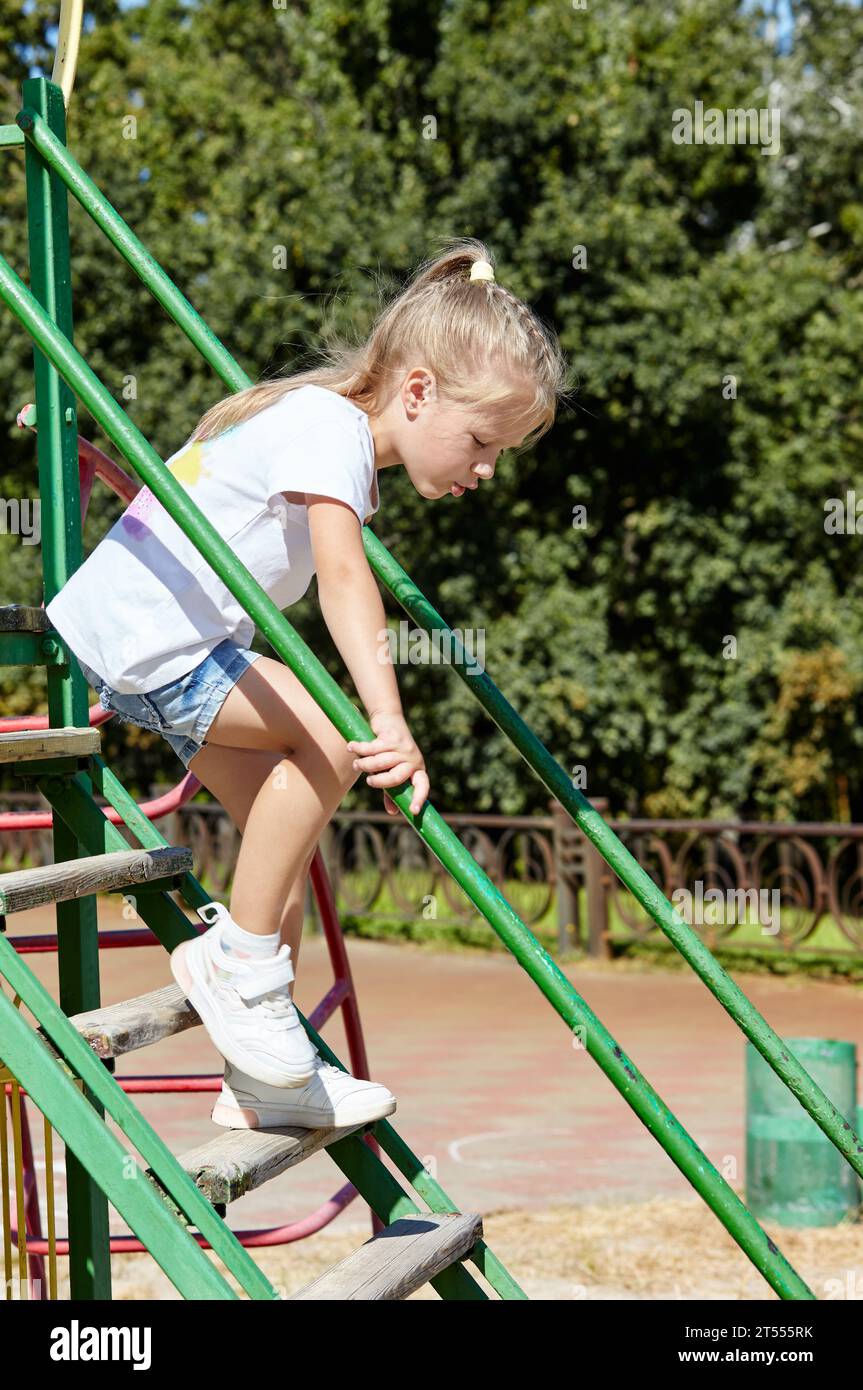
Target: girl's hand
(392,758)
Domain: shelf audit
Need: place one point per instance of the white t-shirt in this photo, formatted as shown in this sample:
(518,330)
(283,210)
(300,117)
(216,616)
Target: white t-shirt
(145,607)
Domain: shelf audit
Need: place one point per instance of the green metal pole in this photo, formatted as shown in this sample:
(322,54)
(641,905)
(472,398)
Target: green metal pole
(441,840)
(60,516)
(617,856)
(81,186)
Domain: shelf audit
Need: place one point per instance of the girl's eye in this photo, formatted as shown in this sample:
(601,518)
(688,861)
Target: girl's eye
(479,442)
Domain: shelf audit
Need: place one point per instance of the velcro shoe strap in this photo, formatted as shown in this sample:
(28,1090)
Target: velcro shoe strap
(266,975)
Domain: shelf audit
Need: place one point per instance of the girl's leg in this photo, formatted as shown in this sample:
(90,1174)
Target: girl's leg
(269,711)
(234,776)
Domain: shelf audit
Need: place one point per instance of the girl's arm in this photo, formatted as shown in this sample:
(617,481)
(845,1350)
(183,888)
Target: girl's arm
(354,614)
(351,603)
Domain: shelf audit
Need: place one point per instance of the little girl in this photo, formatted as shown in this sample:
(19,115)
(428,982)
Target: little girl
(456,369)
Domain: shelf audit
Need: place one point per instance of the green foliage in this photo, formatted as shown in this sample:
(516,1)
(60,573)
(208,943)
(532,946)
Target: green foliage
(305,128)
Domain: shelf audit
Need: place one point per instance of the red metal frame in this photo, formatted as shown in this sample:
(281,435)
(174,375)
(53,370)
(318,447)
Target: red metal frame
(342,994)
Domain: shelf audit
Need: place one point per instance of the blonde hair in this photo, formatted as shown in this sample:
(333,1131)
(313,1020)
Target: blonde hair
(485,346)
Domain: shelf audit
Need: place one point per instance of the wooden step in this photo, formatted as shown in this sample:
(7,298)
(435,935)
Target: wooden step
(65,742)
(398,1260)
(133,1023)
(95,873)
(18,617)
(239,1160)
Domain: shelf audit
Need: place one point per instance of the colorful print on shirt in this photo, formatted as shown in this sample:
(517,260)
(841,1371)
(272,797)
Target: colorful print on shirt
(187,468)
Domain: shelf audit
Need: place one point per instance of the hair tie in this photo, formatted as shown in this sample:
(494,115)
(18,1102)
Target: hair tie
(481,270)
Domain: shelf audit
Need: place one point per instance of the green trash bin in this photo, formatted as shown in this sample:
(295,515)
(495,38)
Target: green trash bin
(794,1175)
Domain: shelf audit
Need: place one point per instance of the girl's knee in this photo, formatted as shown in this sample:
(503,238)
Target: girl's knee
(348,774)
(330,762)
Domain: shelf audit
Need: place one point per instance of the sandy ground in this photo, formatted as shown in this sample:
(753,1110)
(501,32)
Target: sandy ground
(661,1249)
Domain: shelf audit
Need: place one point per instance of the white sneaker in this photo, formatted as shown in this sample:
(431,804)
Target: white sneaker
(331,1099)
(245,1005)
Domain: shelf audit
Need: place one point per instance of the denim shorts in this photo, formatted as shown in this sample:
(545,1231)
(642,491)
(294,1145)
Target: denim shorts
(183,710)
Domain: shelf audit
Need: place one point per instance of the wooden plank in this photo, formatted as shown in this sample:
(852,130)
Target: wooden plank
(96,873)
(133,1023)
(18,617)
(240,1160)
(398,1260)
(65,742)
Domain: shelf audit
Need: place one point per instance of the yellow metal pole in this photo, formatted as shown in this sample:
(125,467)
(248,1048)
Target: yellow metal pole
(51,1217)
(6,1079)
(68,41)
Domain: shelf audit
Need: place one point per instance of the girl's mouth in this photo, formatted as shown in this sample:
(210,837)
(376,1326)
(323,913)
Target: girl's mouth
(458,488)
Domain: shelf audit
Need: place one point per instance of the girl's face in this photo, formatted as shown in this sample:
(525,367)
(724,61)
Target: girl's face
(449,449)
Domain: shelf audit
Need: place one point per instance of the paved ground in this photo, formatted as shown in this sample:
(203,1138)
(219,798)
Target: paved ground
(493,1096)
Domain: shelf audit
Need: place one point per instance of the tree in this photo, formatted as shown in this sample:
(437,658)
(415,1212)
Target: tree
(695,644)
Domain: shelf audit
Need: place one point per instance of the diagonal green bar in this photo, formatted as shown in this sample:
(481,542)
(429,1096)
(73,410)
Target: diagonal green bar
(390,573)
(618,857)
(160,285)
(147,1214)
(362,1167)
(441,840)
(428,1187)
(84,1132)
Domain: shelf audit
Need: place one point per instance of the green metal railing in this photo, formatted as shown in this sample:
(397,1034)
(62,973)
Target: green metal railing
(651,1110)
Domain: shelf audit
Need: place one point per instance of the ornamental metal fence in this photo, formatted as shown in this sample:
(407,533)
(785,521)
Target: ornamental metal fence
(745,885)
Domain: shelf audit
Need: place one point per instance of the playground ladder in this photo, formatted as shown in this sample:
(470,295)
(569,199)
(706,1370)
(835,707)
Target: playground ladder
(46,314)
(415,1248)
